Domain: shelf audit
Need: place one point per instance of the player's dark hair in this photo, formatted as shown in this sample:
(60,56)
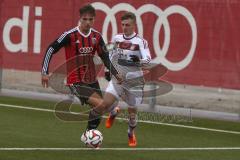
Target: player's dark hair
(87,9)
(128,15)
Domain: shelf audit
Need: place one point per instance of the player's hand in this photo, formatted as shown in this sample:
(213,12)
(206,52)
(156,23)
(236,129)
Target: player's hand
(45,79)
(135,58)
(107,75)
(119,78)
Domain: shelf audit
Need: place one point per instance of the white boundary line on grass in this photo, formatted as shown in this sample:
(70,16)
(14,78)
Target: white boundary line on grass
(149,122)
(122,149)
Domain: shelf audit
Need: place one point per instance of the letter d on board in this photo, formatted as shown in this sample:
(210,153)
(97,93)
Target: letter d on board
(21,23)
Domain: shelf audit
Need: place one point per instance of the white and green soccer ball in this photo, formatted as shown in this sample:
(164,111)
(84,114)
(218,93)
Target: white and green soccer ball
(92,138)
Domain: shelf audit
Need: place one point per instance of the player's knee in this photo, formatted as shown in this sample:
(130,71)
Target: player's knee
(101,107)
(105,106)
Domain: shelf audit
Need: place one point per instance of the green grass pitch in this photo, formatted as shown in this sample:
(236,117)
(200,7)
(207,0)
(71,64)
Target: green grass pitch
(27,128)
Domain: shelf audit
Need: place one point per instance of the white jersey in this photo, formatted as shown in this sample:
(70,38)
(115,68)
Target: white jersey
(125,48)
(131,90)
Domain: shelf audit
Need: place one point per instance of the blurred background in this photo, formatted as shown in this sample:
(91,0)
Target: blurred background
(198,42)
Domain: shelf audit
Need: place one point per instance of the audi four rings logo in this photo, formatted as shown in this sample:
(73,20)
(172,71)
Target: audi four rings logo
(85,49)
(162,21)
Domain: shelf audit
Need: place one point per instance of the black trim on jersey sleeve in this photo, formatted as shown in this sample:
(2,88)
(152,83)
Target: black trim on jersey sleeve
(104,55)
(54,47)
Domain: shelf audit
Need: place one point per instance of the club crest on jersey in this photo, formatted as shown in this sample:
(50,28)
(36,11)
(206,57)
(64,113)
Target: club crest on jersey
(94,40)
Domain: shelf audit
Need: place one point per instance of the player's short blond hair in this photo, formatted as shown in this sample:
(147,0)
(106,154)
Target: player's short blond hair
(128,15)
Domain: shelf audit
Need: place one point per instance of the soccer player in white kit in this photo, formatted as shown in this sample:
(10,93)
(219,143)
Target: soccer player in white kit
(129,55)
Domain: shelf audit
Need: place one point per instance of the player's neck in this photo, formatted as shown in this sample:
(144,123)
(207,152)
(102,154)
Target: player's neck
(129,35)
(84,31)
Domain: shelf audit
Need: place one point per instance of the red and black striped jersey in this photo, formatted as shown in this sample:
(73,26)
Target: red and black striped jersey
(79,51)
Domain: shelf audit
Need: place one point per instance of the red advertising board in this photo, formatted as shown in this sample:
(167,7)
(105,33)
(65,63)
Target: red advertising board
(198,41)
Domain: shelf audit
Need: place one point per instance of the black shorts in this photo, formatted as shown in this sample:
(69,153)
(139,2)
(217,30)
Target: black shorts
(83,90)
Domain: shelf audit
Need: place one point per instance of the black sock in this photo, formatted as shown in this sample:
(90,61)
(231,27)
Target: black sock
(94,120)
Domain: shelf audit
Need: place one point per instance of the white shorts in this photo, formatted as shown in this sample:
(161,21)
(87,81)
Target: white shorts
(132,96)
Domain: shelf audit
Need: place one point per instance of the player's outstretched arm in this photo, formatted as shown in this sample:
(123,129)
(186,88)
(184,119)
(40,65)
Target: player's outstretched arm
(52,49)
(104,55)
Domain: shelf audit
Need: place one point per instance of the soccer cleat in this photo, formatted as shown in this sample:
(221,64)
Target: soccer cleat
(132,140)
(111,118)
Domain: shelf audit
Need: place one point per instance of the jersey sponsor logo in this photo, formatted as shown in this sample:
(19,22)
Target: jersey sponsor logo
(85,50)
(161,22)
(128,46)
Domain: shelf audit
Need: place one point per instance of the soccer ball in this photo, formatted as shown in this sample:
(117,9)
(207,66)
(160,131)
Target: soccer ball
(92,138)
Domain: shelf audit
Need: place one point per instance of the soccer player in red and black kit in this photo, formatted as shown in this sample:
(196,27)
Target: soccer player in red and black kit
(80,45)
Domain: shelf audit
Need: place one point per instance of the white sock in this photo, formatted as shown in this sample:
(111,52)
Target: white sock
(132,123)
